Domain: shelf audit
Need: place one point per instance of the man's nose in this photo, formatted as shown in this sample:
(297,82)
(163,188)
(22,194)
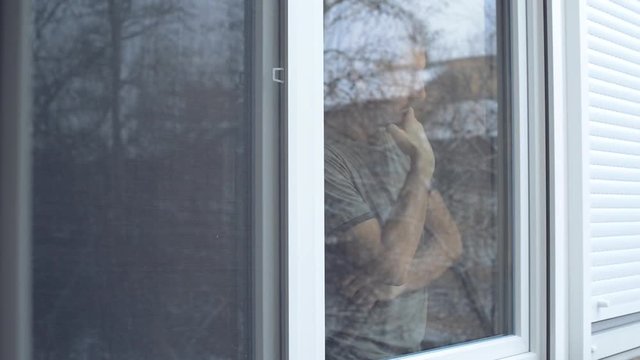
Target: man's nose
(421,94)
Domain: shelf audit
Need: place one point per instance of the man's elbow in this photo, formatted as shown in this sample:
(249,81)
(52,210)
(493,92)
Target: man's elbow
(394,272)
(397,278)
(455,248)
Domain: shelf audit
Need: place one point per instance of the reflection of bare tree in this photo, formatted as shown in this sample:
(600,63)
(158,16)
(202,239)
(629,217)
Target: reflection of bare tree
(364,40)
(76,41)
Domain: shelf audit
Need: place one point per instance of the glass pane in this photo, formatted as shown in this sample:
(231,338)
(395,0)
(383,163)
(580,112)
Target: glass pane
(417,176)
(142,181)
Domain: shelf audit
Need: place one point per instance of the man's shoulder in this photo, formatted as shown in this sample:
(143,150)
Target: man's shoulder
(335,160)
(336,151)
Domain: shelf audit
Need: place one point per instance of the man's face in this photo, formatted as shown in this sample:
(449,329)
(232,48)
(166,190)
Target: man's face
(403,85)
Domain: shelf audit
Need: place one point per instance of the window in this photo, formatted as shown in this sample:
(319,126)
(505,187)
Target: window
(395,284)
(351,84)
(144,190)
(160,167)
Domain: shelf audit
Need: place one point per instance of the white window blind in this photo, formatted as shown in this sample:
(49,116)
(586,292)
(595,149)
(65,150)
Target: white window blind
(614,119)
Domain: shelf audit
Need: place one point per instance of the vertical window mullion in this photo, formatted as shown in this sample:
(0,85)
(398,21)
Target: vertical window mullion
(267,180)
(305,189)
(15,191)
(579,292)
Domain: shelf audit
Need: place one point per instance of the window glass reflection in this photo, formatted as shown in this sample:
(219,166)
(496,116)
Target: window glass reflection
(416,177)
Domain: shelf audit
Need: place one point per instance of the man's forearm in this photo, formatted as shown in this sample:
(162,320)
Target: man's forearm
(402,232)
(430,263)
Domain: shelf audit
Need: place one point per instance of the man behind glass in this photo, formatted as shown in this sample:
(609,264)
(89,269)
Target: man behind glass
(388,234)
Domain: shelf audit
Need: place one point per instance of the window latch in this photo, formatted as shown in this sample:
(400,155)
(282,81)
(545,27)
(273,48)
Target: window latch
(277,75)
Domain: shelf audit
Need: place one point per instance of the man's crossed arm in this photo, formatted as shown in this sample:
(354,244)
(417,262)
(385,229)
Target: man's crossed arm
(387,254)
(365,288)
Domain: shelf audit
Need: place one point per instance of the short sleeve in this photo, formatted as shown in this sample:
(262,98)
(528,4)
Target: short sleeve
(344,206)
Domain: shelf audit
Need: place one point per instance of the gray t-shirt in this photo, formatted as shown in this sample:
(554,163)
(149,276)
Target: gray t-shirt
(362,181)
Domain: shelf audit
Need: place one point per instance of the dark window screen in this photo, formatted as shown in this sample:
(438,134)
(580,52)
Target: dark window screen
(142,180)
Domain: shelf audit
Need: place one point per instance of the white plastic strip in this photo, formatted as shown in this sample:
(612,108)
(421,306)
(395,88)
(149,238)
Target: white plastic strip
(614,159)
(615,187)
(630,5)
(599,230)
(613,23)
(615,271)
(608,243)
(623,13)
(604,59)
(629,282)
(604,172)
(612,89)
(610,257)
(613,117)
(614,35)
(305,180)
(615,201)
(612,103)
(619,51)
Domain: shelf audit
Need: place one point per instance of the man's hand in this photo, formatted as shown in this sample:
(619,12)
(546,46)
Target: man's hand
(365,291)
(412,140)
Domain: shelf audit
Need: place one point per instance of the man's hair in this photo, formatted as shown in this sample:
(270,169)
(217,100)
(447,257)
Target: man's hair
(364,39)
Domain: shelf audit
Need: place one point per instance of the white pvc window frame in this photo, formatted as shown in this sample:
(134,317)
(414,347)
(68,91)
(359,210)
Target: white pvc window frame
(305,190)
(570,315)
(304,180)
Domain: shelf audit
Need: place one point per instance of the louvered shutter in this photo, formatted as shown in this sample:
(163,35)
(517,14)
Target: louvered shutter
(614,119)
